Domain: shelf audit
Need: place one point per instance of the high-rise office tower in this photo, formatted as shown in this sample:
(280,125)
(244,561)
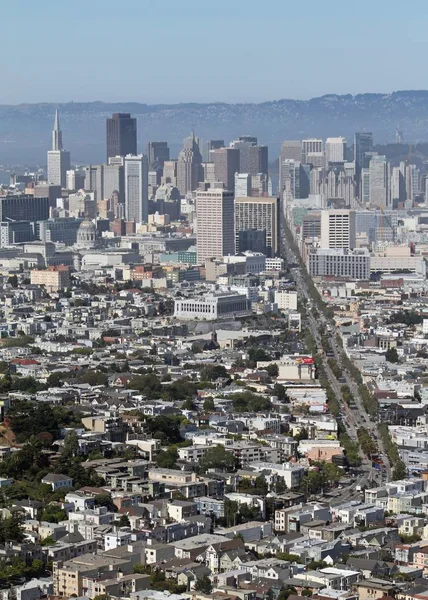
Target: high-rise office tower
(289,184)
(311,146)
(211,145)
(169,172)
(253,159)
(58,158)
(136,188)
(208,171)
(157,154)
(242,185)
(114,181)
(380,178)
(94,180)
(412,182)
(290,150)
(215,224)
(257,214)
(365,186)
(259,185)
(335,150)
(338,229)
(363,142)
(398,185)
(121,135)
(226,164)
(189,165)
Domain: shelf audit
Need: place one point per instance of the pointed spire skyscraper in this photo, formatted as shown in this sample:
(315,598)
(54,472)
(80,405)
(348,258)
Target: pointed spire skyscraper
(56,134)
(58,158)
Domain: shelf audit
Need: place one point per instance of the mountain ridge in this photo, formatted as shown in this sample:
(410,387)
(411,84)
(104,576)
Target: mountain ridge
(25,128)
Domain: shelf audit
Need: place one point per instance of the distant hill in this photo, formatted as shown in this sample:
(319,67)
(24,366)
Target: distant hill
(25,129)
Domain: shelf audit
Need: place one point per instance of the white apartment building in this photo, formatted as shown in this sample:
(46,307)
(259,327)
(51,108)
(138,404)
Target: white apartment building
(215,224)
(212,306)
(338,229)
(337,262)
(286,300)
(242,185)
(335,149)
(136,188)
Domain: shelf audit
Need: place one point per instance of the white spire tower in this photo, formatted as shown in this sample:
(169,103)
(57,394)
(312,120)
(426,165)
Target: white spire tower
(56,134)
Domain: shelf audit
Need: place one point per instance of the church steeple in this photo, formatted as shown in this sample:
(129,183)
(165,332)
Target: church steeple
(56,134)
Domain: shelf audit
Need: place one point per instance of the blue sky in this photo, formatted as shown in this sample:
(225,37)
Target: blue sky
(209,50)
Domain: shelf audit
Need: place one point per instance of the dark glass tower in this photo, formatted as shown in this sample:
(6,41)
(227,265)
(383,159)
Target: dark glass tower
(121,135)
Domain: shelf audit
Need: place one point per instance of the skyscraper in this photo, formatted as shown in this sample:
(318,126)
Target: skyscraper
(121,135)
(380,178)
(257,214)
(363,142)
(335,149)
(157,154)
(215,224)
(136,188)
(242,184)
(94,180)
(412,182)
(311,146)
(338,229)
(398,185)
(58,158)
(226,164)
(289,183)
(211,145)
(189,165)
(253,159)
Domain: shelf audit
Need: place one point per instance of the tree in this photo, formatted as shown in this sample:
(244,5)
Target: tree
(209,404)
(163,428)
(272,370)
(391,355)
(167,459)
(13,281)
(217,457)
(399,471)
(124,521)
(204,585)
(213,372)
(53,513)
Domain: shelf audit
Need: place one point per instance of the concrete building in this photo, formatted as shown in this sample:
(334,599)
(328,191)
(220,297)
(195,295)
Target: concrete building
(257,214)
(94,180)
(226,165)
(15,232)
(380,177)
(212,307)
(58,158)
(338,229)
(215,224)
(243,185)
(335,150)
(286,300)
(253,158)
(54,279)
(23,207)
(136,188)
(339,262)
(311,146)
(121,135)
(189,165)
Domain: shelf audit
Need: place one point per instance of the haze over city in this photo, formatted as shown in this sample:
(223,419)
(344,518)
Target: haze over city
(192,51)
